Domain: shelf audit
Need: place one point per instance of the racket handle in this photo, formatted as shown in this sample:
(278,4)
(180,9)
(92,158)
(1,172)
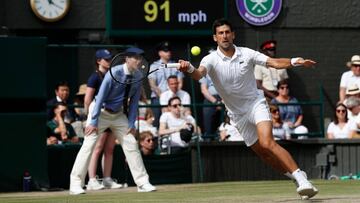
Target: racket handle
(171,65)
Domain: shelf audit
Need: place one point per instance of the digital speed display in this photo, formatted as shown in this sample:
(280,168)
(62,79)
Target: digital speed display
(163,17)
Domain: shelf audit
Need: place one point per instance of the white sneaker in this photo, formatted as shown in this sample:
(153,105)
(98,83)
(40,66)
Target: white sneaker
(111,184)
(306,191)
(76,190)
(94,184)
(306,197)
(147,187)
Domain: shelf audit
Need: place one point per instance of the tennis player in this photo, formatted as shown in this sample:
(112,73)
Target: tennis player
(110,111)
(231,69)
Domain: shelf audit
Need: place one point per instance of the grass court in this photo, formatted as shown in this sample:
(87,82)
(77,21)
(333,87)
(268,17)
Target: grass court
(221,192)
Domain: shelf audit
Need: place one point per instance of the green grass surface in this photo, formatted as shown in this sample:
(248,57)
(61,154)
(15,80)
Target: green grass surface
(249,191)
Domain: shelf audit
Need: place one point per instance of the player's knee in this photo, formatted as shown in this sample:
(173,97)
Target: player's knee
(267,145)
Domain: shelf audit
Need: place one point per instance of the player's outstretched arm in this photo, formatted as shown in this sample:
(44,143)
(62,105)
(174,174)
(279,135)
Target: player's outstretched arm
(196,74)
(281,63)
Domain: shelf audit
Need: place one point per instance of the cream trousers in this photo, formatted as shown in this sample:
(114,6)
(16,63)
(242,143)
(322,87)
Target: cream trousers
(118,123)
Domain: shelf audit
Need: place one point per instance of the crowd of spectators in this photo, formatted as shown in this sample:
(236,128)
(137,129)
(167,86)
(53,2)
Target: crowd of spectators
(167,126)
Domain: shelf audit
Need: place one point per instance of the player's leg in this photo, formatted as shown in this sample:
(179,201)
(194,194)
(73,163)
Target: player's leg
(260,138)
(270,151)
(132,153)
(280,159)
(108,182)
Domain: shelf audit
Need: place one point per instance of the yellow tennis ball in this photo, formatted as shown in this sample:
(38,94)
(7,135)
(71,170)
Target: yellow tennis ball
(195,50)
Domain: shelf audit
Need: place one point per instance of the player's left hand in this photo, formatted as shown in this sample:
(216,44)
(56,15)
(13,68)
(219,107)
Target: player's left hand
(305,62)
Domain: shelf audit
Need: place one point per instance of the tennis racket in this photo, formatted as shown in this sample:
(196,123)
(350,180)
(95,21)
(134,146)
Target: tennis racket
(137,65)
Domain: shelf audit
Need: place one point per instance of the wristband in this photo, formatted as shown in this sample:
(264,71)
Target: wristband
(190,69)
(293,61)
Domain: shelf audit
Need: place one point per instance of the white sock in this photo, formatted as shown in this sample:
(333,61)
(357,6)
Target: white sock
(287,174)
(299,177)
(92,179)
(107,178)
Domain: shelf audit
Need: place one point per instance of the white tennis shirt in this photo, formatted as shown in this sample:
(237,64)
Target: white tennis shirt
(234,78)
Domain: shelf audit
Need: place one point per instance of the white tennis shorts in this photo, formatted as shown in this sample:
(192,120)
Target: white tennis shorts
(246,123)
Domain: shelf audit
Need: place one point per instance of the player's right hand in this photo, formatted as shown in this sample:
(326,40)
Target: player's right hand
(184,65)
(90,129)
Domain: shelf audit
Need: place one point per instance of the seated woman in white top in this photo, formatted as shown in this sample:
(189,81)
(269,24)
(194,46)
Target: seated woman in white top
(228,131)
(172,122)
(341,127)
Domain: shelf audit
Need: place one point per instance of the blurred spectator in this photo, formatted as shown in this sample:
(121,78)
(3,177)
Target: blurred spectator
(147,143)
(172,123)
(59,131)
(81,115)
(79,123)
(62,92)
(146,124)
(278,129)
(291,115)
(352,91)
(210,113)
(353,104)
(267,78)
(174,91)
(228,131)
(143,101)
(341,127)
(158,79)
(106,142)
(350,77)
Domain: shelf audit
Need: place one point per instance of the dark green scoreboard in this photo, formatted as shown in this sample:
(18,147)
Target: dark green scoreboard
(163,17)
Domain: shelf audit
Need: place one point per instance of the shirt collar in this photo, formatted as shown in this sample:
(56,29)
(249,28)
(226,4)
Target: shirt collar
(126,70)
(223,57)
(58,99)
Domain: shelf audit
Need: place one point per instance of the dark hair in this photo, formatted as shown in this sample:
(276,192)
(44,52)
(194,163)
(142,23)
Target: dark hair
(60,84)
(172,99)
(172,77)
(283,82)
(336,120)
(55,106)
(97,70)
(221,22)
(226,118)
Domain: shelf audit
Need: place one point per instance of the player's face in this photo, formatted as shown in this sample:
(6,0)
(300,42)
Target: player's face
(224,37)
(63,92)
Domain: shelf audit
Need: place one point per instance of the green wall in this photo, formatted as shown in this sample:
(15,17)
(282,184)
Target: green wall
(22,112)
